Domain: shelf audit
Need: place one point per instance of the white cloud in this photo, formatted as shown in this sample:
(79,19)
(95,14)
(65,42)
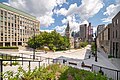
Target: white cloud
(87,9)
(62,11)
(74,26)
(46,30)
(60,29)
(42,9)
(111,11)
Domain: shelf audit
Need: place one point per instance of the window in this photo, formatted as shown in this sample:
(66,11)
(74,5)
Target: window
(108,33)
(8,24)
(20,22)
(5,13)
(116,33)
(113,34)
(1,38)
(5,23)
(12,24)
(117,21)
(1,34)
(1,12)
(5,38)
(114,24)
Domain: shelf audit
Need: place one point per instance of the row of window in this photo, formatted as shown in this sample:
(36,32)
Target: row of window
(14,39)
(115,34)
(116,50)
(116,22)
(13,17)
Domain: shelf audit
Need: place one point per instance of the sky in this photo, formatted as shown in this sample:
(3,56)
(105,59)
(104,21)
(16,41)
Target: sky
(55,14)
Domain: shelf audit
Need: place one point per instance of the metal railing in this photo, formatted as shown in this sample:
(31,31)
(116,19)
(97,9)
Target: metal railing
(110,73)
(25,62)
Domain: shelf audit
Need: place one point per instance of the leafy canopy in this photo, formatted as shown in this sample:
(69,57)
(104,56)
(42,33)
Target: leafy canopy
(52,40)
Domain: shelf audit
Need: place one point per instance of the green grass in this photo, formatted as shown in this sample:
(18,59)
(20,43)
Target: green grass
(53,72)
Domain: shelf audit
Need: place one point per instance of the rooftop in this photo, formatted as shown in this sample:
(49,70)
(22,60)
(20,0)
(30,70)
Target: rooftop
(16,11)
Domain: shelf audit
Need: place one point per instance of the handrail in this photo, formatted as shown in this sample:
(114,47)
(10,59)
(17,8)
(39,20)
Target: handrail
(106,68)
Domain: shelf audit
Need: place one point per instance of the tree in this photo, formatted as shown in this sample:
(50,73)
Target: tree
(52,40)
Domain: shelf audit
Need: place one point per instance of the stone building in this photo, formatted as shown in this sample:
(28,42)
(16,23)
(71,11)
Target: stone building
(105,39)
(16,26)
(115,36)
(100,28)
(68,35)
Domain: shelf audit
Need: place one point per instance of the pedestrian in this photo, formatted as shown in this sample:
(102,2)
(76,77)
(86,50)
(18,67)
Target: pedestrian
(89,56)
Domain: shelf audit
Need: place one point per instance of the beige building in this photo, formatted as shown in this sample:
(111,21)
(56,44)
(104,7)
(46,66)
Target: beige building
(16,26)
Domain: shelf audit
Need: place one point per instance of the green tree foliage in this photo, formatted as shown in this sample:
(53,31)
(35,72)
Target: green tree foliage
(52,40)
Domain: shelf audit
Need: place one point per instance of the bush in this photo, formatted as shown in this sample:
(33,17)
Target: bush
(83,44)
(110,56)
(53,72)
(93,47)
(15,63)
(8,47)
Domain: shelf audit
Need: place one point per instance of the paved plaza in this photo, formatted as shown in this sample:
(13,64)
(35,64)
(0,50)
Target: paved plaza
(75,56)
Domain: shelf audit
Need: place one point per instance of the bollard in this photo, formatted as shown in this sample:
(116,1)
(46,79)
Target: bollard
(29,65)
(39,64)
(22,58)
(2,56)
(6,56)
(10,60)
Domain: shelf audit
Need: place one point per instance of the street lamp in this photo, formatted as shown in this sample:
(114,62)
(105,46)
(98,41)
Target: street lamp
(34,47)
(95,47)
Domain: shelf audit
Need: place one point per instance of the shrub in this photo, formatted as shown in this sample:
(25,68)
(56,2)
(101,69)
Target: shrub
(110,56)
(53,72)
(83,44)
(15,63)
(93,47)
(8,47)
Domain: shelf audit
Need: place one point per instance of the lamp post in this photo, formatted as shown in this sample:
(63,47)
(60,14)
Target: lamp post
(96,47)
(34,47)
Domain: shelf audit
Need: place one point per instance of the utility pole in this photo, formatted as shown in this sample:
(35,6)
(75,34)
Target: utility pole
(96,47)
(34,45)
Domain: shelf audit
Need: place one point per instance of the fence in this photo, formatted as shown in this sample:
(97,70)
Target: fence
(25,62)
(110,73)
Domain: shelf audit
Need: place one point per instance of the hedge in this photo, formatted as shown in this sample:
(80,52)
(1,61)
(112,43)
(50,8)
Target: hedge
(8,47)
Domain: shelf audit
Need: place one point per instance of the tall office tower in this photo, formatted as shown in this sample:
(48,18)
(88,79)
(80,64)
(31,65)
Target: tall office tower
(83,32)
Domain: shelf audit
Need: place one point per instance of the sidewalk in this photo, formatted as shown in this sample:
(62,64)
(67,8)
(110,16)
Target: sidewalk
(102,61)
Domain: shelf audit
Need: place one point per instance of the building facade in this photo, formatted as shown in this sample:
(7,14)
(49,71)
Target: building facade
(83,33)
(90,33)
(115,36)
(100,28)
(16,26)
(68,35)
(104,38)
(86,32)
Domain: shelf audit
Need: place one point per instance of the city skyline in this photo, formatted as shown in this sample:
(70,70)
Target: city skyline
(54,14)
